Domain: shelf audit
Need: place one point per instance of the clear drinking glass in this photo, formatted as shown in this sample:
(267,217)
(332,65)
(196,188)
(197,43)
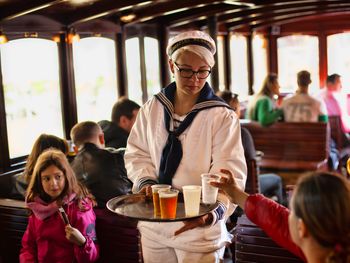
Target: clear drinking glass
(192,197)
(209,193)
(155,195)
(168,203)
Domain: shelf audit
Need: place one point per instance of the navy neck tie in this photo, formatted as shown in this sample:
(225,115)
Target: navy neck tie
(172,151)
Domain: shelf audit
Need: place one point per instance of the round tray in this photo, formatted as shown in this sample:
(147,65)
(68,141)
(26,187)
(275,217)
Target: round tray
(137,206)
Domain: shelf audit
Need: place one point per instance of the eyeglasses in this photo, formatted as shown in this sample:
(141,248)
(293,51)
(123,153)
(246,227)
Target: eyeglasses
(188,73)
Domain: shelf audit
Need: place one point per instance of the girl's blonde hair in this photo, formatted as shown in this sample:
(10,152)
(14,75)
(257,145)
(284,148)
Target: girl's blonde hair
(265,90)
(72,185)
(322,201)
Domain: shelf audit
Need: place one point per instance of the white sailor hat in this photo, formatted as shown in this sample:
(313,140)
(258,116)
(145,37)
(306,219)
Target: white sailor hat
(194,37)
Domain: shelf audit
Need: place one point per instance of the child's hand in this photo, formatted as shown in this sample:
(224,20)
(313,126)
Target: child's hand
(231,189)
(74,235)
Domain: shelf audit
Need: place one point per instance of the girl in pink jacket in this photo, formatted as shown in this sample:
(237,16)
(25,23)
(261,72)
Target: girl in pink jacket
(53,235)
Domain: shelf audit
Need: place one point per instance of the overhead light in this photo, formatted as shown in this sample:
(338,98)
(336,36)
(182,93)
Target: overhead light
(3,38)
(56,38)
(128,18)
(72,36)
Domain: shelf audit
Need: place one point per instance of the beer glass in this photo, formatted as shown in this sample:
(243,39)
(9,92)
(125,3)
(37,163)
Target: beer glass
(168,203)
(192,197)
(209,193)
(155,195)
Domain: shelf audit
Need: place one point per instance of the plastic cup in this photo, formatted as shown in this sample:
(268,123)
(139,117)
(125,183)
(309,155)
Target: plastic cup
(192,197)
(168,203)
(155,195)
(209,193)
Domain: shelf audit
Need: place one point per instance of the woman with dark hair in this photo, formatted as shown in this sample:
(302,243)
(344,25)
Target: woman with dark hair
(316,228)
(14,186)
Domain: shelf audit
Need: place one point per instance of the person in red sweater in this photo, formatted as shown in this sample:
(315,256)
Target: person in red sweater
(316,228)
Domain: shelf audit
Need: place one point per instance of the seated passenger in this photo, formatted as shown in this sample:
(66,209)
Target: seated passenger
(50,237)
(301,107)
(117,130)
(100,169)
(14,186)
(335,100)
(316,227)
(262,107)
(269,184)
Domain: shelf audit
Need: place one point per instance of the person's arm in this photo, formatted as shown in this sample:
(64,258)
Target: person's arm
(28,252)
(265,213)
(138,163)
(265,113)
(84,223)
(273,219)
(227,153)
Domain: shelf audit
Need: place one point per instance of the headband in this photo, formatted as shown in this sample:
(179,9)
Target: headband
(191,41)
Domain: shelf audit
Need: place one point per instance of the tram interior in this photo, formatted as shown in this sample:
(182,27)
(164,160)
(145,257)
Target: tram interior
(67,61)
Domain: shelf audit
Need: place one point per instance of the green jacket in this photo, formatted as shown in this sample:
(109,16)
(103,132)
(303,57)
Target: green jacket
(265,113)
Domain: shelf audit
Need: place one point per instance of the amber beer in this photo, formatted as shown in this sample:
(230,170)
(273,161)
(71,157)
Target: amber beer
(168,203)
(155,195)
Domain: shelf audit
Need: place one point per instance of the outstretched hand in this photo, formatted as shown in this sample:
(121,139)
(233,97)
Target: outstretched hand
(196,222)
(229,186)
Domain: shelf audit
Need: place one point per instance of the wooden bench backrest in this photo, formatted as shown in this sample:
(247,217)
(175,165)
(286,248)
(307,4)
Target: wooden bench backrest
(253,245)
(337,133)
(291,144)
(13,223)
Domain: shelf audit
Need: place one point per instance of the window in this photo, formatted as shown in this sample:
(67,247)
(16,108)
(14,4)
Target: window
(30,73)
(259,61)
(239,67)
(134,69)
(339,57)
(152,66)
(296,53)
(95,78)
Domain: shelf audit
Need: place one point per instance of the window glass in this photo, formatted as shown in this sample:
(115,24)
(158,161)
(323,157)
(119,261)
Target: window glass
(30,74)
(239,67)
(259,61)
(134,69)
(221,62)
(339,57)
(296,53)
(95,78)
(152,66)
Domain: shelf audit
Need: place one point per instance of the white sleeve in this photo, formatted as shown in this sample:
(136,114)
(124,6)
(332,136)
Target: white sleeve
(138,162)
(228,153)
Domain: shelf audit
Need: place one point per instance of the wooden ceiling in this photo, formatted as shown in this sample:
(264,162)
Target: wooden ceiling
(175,14)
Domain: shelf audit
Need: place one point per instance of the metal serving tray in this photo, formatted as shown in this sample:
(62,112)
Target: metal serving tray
(137,206)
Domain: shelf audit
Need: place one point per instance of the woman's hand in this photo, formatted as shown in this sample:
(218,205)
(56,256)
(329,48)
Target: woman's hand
(229,186)
(196,222)
(146,190)
(74,235)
